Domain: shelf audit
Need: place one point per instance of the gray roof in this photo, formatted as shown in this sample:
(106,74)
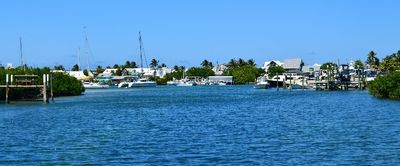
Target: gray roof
(292,63)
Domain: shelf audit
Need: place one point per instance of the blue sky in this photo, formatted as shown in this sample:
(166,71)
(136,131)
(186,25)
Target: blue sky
(186,32)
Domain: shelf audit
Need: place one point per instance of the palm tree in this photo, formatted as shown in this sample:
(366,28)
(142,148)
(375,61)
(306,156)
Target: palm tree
(75,67)
(176,68)
(241,62)
(99,69)
(372,60)
(133,64)
(210,65)
(127,64)
(251,62)
(232,63)
(153,63)
(205,63)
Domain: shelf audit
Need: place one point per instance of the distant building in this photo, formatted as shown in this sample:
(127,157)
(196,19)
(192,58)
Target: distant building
(293,65)
(311,70)
(219,69)
(78,75)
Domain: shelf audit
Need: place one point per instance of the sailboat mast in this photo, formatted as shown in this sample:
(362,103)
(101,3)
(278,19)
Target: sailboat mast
(79,58)
(141,52)
(21,56)
(86,48)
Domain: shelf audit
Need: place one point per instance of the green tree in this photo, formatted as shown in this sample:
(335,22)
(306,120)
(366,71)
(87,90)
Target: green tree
(372,60)
(116,66)
(358,64)
(241,62)
(203,72)
(176,68)
(274,70)
(251,62)
(153,63)
(86,72)
(387,86)
(118,72)
(391,62)
(75,67)
(99,69)
(205,63)
(232,63)
(59,67)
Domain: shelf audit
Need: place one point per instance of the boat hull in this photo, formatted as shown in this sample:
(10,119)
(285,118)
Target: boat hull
(142,84)
(261,86)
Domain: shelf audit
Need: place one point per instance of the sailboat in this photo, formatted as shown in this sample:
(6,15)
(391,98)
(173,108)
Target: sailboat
(90,84)
(141,81)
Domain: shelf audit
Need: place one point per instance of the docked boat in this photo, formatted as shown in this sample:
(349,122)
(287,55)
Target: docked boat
(261,83)
(143,82)
(95,85)
(123,84)
(188,83)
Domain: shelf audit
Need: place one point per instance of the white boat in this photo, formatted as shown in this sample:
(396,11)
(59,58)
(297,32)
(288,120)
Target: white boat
(95,85)
(142,83)
(221,83)
(184,84)
(261,83)
(123,85)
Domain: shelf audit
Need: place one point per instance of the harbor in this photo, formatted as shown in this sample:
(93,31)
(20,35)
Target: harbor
(199,82)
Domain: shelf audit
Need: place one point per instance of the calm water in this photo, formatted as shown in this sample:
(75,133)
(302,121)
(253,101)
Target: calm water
(235,125)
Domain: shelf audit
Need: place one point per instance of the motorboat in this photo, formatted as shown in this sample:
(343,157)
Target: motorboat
(142,82)
(261,83)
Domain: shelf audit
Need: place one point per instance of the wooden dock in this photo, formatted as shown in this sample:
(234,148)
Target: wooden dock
(28,81)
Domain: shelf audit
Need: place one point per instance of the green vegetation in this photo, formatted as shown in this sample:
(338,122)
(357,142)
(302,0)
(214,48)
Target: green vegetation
(274,70)
(243,71)
(387,86)
(202,72)
(391,62)
(372,60)
(63,85)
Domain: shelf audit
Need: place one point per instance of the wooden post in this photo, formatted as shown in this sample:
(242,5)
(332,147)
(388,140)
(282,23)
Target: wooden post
(290,82)
(7,89)
(44,89)
(277,84)
(51,88)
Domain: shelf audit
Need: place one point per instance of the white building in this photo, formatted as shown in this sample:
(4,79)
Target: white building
(78,75)
(219,69)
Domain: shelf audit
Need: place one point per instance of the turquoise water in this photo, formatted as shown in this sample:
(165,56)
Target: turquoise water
(235,125)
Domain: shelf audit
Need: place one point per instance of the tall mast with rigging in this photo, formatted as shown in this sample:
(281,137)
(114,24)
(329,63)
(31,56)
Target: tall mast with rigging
(21,56)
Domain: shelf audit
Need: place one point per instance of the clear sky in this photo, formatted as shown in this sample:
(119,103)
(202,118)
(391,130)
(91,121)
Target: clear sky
(187,32)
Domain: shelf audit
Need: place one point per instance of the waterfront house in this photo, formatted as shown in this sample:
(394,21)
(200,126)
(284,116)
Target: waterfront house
(293,66)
